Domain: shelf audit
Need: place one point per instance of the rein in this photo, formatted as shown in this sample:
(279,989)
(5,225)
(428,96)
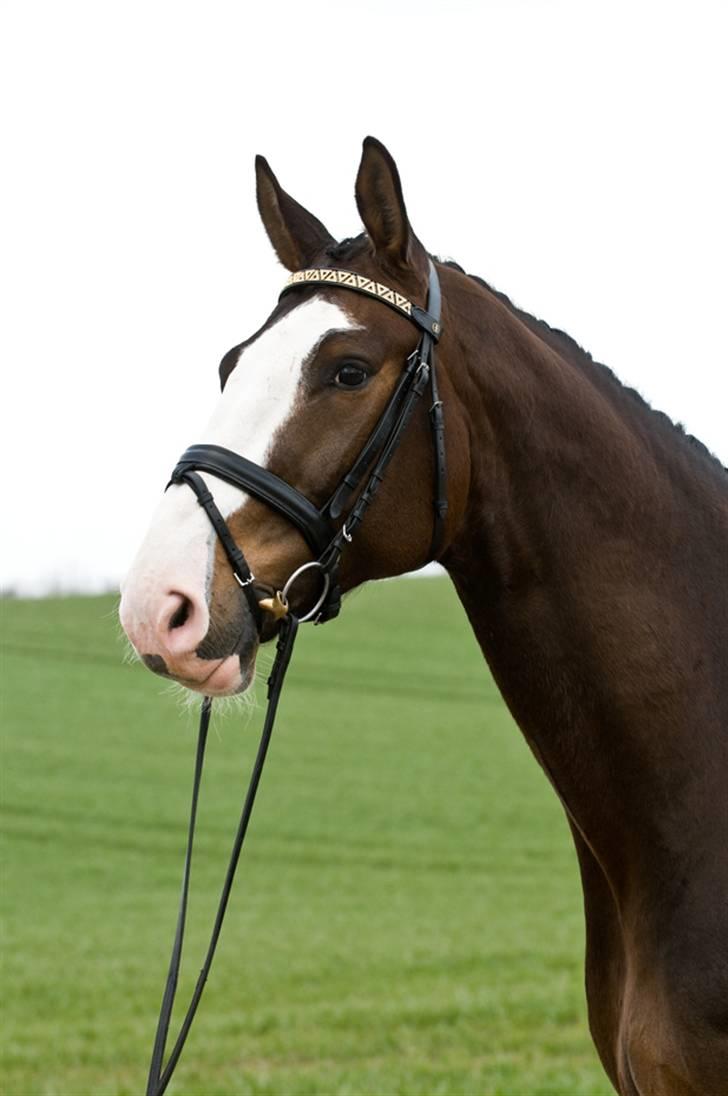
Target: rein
(315,525)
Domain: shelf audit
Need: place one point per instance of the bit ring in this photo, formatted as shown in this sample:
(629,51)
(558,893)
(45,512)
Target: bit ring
(324,593)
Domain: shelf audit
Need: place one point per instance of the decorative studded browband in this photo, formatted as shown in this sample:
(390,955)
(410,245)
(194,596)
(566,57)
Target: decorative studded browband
(345,279)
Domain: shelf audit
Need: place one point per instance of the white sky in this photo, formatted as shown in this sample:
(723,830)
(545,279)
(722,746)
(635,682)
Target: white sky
(573,154)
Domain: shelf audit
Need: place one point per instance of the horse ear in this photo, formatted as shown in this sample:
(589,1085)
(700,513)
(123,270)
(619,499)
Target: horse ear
(382,209)
(297,236)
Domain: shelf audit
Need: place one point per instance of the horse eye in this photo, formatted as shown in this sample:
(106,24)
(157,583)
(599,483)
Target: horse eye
(351,376)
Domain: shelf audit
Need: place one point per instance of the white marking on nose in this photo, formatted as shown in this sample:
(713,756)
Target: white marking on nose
(260,397)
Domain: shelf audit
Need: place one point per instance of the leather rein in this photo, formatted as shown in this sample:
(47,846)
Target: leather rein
(316,526)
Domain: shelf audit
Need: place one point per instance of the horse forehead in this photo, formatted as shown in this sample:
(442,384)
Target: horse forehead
(281,350)
(261,391)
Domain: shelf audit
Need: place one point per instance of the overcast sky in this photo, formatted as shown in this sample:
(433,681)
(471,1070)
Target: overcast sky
(573,154)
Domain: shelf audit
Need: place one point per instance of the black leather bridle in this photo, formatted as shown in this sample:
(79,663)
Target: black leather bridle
(327,531)
(316,524)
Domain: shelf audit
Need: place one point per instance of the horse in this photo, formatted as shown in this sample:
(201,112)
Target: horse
(587,538)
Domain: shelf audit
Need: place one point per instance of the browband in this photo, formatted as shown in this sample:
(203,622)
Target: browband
(346,279)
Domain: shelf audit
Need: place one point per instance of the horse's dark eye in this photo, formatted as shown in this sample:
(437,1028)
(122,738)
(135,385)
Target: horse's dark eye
(351,376)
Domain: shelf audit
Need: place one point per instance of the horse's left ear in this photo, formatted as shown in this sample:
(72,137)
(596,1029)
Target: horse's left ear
(381,206)
(297,236)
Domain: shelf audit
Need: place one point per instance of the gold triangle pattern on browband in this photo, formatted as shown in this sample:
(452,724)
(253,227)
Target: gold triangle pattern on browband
(326,276)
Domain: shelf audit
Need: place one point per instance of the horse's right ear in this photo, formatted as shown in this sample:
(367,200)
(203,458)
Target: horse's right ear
(382,209)
(297,236)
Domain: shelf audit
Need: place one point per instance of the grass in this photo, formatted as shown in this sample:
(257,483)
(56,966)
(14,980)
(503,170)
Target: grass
(407,915)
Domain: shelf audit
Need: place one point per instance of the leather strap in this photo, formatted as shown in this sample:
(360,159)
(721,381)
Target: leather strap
(378,450)
(244,576)
(437,425)
(386,434)
(330,560)
(428,321)
(160,1077)
(339,500)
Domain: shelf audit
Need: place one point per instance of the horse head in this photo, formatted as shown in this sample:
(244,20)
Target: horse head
(300,399)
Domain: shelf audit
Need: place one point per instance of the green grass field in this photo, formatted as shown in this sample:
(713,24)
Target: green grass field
(407,914)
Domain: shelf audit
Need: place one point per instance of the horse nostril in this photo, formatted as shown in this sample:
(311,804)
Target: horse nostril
(181,624)
(181,614)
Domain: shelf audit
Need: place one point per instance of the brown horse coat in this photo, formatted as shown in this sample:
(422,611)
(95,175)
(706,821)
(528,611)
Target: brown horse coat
(587,538)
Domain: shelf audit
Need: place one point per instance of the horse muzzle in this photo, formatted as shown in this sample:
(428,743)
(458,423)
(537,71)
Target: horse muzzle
(177,639)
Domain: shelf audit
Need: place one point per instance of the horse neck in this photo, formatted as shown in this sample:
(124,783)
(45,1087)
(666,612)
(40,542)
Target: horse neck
(587,558)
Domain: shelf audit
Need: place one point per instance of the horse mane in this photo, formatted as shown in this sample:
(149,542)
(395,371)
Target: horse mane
(558,340)
(568,347)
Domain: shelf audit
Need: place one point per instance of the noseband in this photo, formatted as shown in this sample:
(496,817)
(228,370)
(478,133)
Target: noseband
(326,531)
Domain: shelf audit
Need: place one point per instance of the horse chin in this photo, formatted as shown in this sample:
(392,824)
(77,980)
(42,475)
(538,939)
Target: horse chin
(228,676)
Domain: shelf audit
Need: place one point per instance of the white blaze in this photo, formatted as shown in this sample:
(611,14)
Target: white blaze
(259,398)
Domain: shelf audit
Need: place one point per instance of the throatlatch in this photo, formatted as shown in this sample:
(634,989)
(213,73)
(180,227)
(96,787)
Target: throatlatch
(316,527)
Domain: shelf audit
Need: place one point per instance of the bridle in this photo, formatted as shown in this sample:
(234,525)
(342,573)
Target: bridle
(316,524)
(343,512)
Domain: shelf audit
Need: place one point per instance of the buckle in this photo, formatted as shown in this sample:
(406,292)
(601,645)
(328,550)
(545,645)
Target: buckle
(427,322)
